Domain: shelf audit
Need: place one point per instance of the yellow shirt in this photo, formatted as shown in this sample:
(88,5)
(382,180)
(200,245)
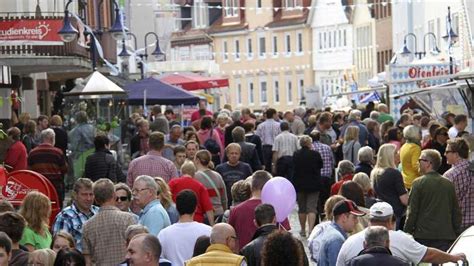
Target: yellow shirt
(409,155)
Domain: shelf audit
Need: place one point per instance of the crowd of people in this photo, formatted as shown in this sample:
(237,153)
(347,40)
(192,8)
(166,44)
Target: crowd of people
(370,190)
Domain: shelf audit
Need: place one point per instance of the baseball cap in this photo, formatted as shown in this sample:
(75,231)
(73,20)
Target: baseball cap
(381,210)
(346,206)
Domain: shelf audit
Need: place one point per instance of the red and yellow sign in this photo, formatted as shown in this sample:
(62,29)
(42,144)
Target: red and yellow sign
(36,30)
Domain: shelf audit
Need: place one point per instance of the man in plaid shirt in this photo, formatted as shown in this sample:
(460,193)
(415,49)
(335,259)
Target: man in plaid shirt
(72,219)
(457,154)
(328,165)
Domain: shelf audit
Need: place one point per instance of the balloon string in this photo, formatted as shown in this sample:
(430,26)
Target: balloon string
(281,227)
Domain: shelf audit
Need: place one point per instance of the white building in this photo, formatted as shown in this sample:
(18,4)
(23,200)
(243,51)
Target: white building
(332,46)
(365,50)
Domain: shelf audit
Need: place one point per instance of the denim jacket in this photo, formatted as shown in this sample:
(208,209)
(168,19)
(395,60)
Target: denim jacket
(331,242)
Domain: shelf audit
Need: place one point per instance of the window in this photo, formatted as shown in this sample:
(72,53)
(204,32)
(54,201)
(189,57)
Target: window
(239,93)
(226,51)
(249,49)
(299,42)
(288,44)
(289,91)
(340,38)
(289,3)
(321,40)
(259,6)
(237,50)
(276,91)
(261,47)
(231,8)
(263,92)
(345,39)
(301,88)
(335,37)
(330,38)
(200,16)
(251,93)
(275,46)
(324,41)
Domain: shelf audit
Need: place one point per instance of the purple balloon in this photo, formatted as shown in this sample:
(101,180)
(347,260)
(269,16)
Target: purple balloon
(281,194)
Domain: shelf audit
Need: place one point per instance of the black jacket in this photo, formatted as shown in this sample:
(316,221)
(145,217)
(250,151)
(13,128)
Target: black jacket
(252,251)
(102,164)
(60,139)
(307,170)
(228,132)
(376,256)
(363,168)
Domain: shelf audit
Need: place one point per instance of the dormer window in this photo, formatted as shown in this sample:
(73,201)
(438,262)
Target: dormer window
(231,8)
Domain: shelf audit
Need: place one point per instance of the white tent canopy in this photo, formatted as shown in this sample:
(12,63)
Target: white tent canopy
(95,84)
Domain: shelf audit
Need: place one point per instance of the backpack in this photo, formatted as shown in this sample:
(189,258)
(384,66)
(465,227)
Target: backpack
(211,144)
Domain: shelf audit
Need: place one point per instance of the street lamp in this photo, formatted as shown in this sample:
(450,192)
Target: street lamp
(157,53)
(451,38)
(68,33)
(405,51)
(435,50)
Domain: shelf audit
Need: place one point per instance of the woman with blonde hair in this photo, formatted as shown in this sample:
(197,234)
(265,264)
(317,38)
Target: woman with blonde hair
(409,154)
(62,240)
(212,180)
(166,199)
(351,146)
(36,209)
(44,257)
(388,181)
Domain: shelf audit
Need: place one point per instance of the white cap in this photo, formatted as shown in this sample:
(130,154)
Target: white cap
(381,210)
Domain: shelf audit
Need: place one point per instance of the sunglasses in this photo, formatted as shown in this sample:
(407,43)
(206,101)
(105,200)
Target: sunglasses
(424,160)
(124,198)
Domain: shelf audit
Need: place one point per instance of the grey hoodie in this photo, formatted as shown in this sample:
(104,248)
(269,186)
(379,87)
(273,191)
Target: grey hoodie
(351,147)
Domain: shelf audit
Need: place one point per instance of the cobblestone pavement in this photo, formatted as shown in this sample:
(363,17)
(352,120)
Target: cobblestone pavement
(295,230)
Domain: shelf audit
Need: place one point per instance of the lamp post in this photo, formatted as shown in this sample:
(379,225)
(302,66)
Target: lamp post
(159,55)
(68,33)
(405,51)
(434,51)
(451,38)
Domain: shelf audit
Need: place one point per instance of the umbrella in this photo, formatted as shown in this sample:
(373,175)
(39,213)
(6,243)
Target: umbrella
(153,91)
(96,84)
(192,81)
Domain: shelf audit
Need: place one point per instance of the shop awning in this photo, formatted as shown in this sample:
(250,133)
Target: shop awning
(191,81)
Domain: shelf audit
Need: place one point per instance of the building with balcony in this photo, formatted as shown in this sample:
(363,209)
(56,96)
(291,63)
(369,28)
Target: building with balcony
(41,64)
(264,48)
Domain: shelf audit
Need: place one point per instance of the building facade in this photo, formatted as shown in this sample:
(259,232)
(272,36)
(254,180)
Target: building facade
(264,50)
(382,13)
(364,46)
(332,47)
(41,64)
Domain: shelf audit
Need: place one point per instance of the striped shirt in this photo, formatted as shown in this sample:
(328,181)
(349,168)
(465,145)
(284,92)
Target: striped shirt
(327,156)
(285,144)
(267,131)
(48,161)
(462,178)
(152,164)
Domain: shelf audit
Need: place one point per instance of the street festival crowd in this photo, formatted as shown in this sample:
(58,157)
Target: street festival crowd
(369,190)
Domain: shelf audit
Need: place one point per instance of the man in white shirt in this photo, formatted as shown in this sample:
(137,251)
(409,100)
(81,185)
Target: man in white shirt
(177,241)
(402,245)
(285,145)
(460,124)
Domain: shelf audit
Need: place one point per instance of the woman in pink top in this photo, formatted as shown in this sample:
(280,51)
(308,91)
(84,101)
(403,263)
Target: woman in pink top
(205,132)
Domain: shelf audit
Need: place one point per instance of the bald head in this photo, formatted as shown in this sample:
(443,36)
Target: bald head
(221,232)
